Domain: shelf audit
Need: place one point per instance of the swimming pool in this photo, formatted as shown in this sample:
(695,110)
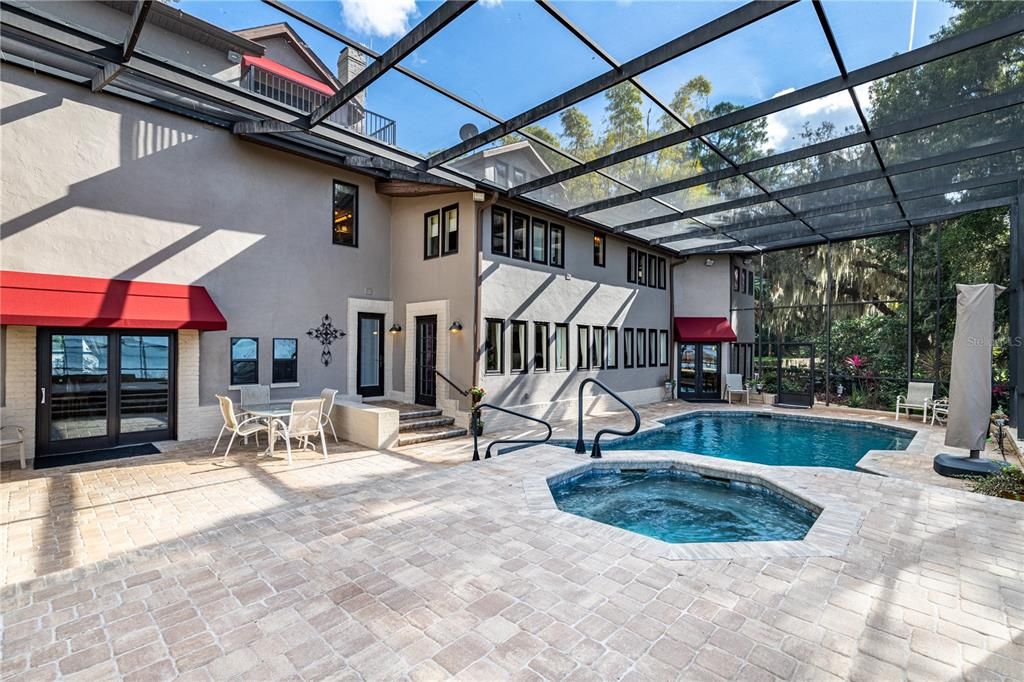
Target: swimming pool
(769,439)
(677,506)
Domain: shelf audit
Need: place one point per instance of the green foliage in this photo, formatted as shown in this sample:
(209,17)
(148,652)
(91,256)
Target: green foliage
(1007,483)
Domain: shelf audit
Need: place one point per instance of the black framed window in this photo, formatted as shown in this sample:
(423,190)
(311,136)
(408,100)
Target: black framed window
(597,354)
(612,344)
(556,242)
(663,347)
(345,214)
(641,268)
(494,352)
(245,363)
(631,265)
(743,281)
(641,347)
(431,234)
(499,231)
(561,347)
(736,278)
(520,236)
(662,273)
(652,270)
(450,226)
(540,241)
(652,348)
(285,369)
(540,347)
(599,249)
(517,347)
(628,350)
(582,347)
(750,282)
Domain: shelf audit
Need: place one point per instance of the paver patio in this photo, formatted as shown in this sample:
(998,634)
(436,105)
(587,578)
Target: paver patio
(384,565)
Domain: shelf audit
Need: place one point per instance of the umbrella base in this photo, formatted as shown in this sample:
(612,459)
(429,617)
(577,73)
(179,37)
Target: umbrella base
(957,466)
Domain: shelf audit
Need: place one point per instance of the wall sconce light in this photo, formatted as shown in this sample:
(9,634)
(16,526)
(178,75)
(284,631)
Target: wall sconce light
(748,261)
(456,327)
(395,328)
(708,262)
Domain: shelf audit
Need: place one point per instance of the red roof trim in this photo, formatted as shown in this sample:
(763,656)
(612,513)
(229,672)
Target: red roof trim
(37,299)
(284,72)
(703,329)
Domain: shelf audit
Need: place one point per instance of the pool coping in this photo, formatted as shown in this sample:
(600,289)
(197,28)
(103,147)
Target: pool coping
(836,523)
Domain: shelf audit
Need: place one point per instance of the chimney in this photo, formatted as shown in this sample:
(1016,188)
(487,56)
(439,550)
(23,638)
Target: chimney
(350,63)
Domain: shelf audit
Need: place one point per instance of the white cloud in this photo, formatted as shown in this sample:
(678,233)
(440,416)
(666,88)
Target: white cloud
(378,17)
(490,3)
(785,125)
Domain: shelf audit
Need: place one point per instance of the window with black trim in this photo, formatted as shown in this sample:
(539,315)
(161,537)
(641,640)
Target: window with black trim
(631,265)
(520,236)
(599,249)
(641,347)
(641,268)
(652,347)
(663,348)
(431,234)
(743,281)
(612,343)
(627,348)
(736,278)
(540,347)
(285,369)
(245,354)
(662,271)
(540,241)
(450,223)
(499,231)
(494,352)
(561,347)
(750,282)
(582,347)
(556,239)
(345,214)
(597,350)
(517,347)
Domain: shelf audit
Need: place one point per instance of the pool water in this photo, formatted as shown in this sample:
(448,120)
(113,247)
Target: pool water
(680,507)
(766,439)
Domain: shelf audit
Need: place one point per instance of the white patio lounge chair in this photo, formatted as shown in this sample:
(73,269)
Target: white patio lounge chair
(245,428)
(918,397)
(734,384)
(327,396)
(16,436)
(303,423)
(940,411)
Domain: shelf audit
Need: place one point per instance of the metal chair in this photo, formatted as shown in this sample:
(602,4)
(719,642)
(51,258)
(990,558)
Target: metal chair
(245,428)
(940,411)
(303,423)
(327,396)
(919,395)
(18,440)
(256,394)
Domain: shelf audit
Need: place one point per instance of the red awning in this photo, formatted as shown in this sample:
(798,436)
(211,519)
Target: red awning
(38,300)
(289,74)
(704,329)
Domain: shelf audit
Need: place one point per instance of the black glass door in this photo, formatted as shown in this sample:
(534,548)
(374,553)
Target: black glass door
(370,355)
(426,360)
(700,371)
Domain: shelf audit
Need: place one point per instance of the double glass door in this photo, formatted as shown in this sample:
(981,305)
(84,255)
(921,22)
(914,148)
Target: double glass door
(700,374)
(100,389)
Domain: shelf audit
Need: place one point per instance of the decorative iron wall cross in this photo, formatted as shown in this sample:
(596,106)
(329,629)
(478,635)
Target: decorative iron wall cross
(326,334)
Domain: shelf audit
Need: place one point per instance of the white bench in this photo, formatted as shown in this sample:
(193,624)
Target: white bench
(18,440)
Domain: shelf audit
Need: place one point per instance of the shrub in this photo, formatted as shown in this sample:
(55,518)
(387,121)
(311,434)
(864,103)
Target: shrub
(1007,483)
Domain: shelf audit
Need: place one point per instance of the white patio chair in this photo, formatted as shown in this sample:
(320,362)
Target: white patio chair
(919,395)
(940,411)
(303,423)
(245,428)
(12,439)
(256,394)
(734,384)
(327,396)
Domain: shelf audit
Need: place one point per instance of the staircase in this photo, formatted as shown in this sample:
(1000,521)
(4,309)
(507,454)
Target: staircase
(419,424)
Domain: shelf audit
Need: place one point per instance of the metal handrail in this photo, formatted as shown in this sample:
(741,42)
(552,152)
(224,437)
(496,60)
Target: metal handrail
(487,453)
(581,448)
(465,394)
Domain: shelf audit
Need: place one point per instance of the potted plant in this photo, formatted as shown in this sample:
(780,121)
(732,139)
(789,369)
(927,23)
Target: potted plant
(476,394)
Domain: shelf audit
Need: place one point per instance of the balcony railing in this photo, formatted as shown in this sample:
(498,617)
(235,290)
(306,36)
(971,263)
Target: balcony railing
(351,116)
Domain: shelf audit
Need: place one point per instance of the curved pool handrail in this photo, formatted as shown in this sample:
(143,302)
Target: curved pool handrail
(487,453)
(595,452)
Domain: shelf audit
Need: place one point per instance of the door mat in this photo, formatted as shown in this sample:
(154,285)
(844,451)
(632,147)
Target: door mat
(90,456)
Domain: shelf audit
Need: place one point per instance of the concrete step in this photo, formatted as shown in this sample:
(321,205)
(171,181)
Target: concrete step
(427,435)
(411,414)
(405,425)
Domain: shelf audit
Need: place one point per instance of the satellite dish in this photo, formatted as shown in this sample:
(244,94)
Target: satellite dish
(467,131)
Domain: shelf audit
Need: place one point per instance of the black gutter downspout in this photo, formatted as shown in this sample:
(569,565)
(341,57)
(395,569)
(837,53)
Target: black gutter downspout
(1016,340)
(828,325)
(910,305)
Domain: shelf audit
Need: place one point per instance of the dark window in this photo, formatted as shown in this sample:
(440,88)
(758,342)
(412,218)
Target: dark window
(450,222)
(432,234)
(245,354)
(557,243)
(750,282)
(612,343)
(736,278)
(662,267)
(630,264)
(641,347)
(517,349)
(286,361)
(520,236)
(652,270)
(499,231)
(641,268)
(501,173)
(743,281)
(652,348)
(561,347)
(582,347)
(540,241)
(345,225)
(627,348)
(663,348)
(599,246)
(494,354)
(540,346)
(597,351)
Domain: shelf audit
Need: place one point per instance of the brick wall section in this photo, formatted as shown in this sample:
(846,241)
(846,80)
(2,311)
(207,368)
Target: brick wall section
(194,421)
(20,387)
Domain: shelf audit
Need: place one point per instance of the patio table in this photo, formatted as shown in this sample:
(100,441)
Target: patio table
(271,411)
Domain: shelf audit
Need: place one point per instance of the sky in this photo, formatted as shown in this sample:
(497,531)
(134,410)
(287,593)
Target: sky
(509,55)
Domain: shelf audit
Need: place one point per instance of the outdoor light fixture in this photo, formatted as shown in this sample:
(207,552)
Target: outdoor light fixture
(456,327)
(708,262)
(748,261)
(395,328)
